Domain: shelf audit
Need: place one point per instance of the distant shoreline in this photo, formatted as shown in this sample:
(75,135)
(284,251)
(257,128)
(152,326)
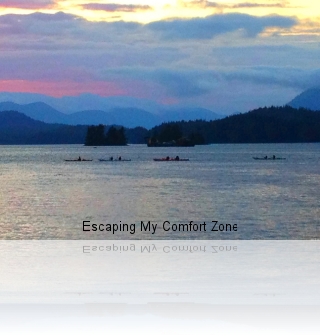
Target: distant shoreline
(264,125)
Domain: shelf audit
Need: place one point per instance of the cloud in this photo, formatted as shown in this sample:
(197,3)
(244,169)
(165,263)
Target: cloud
(286,77)
(116,7)
(38,24)
(193,83)
(41,24)
(201,4)
(211,26)
(59,88)
(180,84)
(259,5)
(69,28)
(219,5)
(137,60)
(23,4)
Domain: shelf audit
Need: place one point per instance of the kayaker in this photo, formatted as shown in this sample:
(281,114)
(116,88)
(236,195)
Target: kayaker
(167,158)
(79,158)
(119,158)
(111,158)
(177,158)
(273,157)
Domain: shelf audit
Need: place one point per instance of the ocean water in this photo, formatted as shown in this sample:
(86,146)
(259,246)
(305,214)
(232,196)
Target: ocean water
(181,283)
(44,197)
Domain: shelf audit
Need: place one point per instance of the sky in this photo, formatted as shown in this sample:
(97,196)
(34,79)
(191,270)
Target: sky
(228,56)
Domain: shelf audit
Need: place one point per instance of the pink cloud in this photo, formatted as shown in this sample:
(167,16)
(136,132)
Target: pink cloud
(132,88)
(23,4)
(63,88)
(116,7)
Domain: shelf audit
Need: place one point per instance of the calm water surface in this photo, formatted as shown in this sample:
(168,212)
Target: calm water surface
(44,197)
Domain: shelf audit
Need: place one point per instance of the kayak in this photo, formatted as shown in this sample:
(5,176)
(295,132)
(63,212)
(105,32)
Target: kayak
(172,159)
(269,158)
(117,160)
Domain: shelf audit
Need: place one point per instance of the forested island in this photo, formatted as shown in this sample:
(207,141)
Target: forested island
(263,125)
(96,136)
(170,135)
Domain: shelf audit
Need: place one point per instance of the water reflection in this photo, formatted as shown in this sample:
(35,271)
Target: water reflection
(200,271)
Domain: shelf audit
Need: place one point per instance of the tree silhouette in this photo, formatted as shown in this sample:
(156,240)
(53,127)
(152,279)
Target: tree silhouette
(114,137)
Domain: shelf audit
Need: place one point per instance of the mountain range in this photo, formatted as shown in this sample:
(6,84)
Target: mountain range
(309,99)
(88,109)
(264,125)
